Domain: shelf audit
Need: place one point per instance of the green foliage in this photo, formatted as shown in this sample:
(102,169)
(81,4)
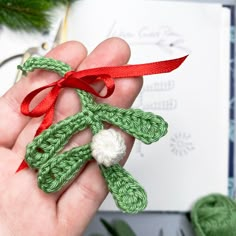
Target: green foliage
(28,15)
(117,228)
(122,228)
(110,229)
(123,186)
(62,1)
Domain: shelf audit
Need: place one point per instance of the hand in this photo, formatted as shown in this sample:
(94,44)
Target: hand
(24,208)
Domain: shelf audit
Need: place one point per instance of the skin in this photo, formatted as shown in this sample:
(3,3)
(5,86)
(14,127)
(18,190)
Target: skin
(24,208)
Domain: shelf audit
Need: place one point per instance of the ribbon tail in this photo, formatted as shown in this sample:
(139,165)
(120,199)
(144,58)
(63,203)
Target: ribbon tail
(22,166)
(128,71)
(47,121)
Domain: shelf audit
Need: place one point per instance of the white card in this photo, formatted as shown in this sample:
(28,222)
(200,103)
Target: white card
(192,159)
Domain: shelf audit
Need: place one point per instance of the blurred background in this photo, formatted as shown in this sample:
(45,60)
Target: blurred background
(203,29)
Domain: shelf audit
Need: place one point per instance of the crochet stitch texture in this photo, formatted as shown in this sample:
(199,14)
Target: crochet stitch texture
(108,147)
(57,167)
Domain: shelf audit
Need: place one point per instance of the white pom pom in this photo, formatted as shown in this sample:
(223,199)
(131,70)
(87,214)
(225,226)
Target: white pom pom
(108,147)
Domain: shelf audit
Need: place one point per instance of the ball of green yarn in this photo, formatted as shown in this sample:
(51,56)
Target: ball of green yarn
(214,215)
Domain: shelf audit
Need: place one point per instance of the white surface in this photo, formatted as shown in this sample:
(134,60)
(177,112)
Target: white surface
(192,160)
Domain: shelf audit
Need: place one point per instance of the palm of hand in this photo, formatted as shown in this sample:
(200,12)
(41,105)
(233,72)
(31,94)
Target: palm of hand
(24,208)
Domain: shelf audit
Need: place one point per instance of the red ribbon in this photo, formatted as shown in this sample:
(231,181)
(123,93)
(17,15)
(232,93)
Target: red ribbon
(82,80)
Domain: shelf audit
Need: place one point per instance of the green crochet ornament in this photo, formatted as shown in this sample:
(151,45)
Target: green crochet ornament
(57,167)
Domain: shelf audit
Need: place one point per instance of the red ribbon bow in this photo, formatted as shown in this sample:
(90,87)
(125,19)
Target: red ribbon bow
(82,80)
(72,79)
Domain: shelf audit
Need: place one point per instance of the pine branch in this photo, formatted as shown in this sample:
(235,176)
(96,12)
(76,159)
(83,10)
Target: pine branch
(65,2)
(28,15)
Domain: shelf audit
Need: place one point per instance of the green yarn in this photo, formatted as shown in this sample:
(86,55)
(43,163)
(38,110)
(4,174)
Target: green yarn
(144,126)
(44,63)
(56,168)
(61,169)
(53,140)
(214,215)
(126,191)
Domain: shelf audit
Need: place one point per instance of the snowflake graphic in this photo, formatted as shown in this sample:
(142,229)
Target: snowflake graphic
(181,144)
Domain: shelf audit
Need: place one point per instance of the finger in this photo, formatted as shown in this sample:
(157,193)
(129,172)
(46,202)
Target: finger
(112,51)
(71,53)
